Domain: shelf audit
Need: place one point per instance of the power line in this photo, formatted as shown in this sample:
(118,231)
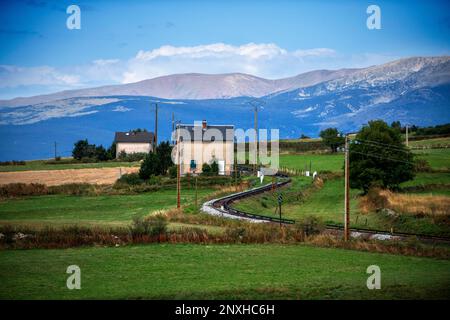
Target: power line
(387,145)
(380,157)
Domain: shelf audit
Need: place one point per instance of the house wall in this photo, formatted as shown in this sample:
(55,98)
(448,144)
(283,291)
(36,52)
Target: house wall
(206,152)
(133,147)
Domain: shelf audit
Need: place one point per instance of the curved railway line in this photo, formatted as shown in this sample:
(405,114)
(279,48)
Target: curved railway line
(223,207)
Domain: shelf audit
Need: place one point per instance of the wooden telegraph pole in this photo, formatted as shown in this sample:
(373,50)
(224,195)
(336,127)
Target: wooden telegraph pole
(347,192)
(173,127)
(407,142)
(178,173)
(156,125)
(256,138)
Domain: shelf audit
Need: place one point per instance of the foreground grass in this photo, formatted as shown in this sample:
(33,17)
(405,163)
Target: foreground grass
(219,271)
(95,210)
(41,165)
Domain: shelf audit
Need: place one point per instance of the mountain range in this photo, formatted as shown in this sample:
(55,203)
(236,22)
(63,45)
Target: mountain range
(413,90)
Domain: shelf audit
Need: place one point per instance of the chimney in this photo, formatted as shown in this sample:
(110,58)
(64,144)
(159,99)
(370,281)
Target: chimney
(204,124)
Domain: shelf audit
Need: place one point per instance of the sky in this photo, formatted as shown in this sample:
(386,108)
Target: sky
(129,41)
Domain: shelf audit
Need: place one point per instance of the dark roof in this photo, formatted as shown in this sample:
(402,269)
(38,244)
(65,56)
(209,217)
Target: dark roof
(197,133)
(142,136)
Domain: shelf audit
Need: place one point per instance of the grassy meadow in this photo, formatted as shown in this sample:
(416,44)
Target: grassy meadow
(106,210)
(219,272)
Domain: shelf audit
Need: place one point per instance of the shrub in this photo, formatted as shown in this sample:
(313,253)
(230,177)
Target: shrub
(422,165)
(158,224)
(150,166)
(73,189)
(206,169)
(22,189)
(131,157)
(214,168)
(139,226)
(130,179)
(310,225)
(173,172)
(154,225)
(12,163)
(373,201)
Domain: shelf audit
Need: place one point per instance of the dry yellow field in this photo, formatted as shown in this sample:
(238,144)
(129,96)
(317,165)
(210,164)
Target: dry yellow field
(58,177)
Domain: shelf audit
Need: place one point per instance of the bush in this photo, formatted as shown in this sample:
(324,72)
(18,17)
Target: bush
(158,224)
(131,157)
(154,225)
(22,189)
(422,165)
(310,225)
(206,169)
(150,166)
(173,172)
(12,163)
(130,179)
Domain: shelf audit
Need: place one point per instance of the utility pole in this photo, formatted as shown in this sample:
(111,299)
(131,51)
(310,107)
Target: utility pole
(55,151)
(173,126)
(196,195)
(156,125)
(256,138)
(235,171)
(407,142)
(347,192)
(178,173)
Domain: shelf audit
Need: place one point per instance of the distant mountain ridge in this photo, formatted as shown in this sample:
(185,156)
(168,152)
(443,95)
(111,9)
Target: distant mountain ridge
(193,86)
(198,86)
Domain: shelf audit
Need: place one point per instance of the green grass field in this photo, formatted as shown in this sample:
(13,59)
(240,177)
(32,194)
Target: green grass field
(430,142)
(319,162)
(437,158)
(41,165)
(219,272)
(87,210)
(424,178)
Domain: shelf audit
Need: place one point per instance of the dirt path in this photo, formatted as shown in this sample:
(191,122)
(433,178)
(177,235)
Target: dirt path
(58,177)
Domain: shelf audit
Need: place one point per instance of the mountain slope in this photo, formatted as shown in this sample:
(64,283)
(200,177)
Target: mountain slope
(191,86)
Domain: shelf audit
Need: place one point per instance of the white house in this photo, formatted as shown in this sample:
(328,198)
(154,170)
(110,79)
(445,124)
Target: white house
(204,143)
(134,142)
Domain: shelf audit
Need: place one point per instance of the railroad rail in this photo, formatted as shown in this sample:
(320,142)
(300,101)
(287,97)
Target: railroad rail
(223,206)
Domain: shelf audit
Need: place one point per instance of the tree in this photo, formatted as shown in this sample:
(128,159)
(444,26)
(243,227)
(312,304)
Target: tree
(157,163)
(100,153)
(112,151)
(214,168)
(82,149)
(164,152)
(379,158)
(332,138)
(151,166)
(206,169)
(397,126)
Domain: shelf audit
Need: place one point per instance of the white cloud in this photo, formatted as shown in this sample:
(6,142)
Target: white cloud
(264,60)
(13,76)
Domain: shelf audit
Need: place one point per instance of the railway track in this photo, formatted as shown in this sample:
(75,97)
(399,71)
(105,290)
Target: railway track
(224,204)
(223,207)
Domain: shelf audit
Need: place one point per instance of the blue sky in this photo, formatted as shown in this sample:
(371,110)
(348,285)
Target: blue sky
(127,41)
